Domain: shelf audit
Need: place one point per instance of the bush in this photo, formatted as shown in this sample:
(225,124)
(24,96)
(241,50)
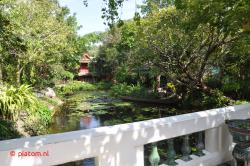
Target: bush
(8,130)
(66,75)
(75,86)
(38,122)
(124,74)
(231,87)
(14,99)
(199,100)
(103,85)
(215,100)
(131,90)
(238,102)
(171,86)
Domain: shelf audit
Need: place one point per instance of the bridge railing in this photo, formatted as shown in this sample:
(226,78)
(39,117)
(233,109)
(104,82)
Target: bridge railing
(123,145)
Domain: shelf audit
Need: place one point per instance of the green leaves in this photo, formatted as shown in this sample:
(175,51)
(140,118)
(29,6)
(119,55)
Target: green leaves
(15,99)
(110,11)
(35,36)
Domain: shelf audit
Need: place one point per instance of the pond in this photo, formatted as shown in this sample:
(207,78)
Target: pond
(91,109)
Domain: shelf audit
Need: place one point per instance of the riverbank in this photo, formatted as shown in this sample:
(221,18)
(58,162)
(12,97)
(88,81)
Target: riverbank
(38,123)
(23,113)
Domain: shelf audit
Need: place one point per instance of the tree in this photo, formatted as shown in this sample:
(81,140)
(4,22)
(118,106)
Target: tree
(37,38)
(187,40)
(235,70)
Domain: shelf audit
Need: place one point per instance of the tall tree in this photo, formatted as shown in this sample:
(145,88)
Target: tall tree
(44,34)
(185,41)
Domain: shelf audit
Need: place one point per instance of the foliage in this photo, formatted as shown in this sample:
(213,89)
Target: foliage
(238,102)
(8,130)
(38,122)
(199,47)
(177,43)
(236,70)
(216,100)
(72,87)
(39,41)
(152,5)
(110,11)
(65,75)
(183,46)
(105,61)
(103,85)
(131,90)
(171,87)
(15,99)
(199,100)
(75,86)
(124,74)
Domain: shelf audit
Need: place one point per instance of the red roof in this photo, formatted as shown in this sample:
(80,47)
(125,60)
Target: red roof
(85,58)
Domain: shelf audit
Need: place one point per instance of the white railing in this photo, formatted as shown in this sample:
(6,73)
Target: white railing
(123,145)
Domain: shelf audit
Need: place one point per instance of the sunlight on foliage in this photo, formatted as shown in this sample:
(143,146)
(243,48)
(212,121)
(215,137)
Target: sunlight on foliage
(15,99)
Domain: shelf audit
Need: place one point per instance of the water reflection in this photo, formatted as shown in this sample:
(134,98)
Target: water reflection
(88,162)
(89,122)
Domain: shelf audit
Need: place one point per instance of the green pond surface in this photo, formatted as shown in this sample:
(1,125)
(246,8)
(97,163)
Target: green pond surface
(90,109)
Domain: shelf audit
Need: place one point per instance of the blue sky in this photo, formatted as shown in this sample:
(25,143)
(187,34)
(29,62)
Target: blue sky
(90,17)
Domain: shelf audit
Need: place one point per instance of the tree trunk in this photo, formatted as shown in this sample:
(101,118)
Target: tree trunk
(19,73)
(157,83)
(1,69)
(1,73)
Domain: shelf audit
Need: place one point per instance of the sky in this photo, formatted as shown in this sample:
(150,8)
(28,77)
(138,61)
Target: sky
(90,17)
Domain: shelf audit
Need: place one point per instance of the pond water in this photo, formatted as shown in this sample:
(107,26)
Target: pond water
(88,109)
(91,109)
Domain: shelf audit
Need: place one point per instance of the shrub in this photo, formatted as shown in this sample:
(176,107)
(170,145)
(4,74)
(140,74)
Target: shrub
(66,75)
(38,122)
(215,100)
(199,100)
(75,86)
(231,87)
(238,102)
(131,90)
(124,74)
(14,99)
(171,87)
(8,130)
(120,90)
(103,85)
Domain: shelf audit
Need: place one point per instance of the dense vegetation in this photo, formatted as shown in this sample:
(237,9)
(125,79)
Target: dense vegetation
(200,48)
(75,86)
(39,47)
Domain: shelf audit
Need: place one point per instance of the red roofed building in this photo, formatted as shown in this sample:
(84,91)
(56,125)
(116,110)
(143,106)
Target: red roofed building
(84,73)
